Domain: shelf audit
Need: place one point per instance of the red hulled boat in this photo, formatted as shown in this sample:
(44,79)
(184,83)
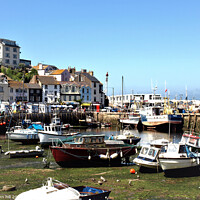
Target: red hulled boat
(91,150)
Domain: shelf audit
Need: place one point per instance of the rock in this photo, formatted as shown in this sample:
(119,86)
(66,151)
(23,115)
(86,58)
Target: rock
(100,182)
(8,188)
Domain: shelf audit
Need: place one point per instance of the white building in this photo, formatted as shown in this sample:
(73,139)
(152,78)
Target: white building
(129,99)
(50,88)
(44,69)
(61,74)
(97,95)
(4,94)
(9,53)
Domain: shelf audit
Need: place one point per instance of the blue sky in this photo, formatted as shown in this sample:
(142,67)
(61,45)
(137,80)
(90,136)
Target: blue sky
(141,40)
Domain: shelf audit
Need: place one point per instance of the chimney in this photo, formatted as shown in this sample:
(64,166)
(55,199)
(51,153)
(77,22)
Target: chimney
(71,70)
(91,73)
(40,66)
(83,70)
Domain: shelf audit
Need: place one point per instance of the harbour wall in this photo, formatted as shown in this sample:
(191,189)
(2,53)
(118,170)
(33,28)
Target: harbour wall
(190,120)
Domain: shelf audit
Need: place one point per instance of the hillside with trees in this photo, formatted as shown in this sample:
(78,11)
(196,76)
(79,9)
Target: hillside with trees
(17,74)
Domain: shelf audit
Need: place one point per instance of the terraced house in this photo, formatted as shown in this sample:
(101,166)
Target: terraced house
(50,88)
(9,53)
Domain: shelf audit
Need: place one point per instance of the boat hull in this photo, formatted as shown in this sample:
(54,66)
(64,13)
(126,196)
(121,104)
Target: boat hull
(180,167)
(143,162)
(23,137)
(90,157)
(47,139)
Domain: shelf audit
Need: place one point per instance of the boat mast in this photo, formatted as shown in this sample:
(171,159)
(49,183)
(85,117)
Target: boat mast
(122,90)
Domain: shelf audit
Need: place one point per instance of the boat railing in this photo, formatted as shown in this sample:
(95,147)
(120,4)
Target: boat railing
(56,141)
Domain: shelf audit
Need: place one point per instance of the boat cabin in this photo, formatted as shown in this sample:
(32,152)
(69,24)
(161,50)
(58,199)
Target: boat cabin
(174,149)
(149,152)
(89,139)
(191,139)
(52,128)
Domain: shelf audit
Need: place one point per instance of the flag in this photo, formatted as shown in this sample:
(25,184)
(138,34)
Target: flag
(166,90)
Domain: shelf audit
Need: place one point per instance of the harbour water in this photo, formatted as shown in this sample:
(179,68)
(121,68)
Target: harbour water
(146,136)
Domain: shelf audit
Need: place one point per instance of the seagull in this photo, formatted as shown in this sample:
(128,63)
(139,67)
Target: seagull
(103,179)
(26,181)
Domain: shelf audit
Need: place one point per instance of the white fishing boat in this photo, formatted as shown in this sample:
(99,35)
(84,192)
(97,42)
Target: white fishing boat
(148,156)
(24,135)
(49,192)
(54,189)
(132,119)
(53,132)
(179,160)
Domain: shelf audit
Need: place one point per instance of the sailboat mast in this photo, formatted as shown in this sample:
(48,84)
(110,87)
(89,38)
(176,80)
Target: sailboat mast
(122,90)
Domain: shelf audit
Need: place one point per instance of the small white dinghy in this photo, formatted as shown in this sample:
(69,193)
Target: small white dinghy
(49,192)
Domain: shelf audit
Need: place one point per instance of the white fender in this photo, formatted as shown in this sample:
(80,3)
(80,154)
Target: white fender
(102,156)
(121,154)
(114,155)
(131,141)
(89,157)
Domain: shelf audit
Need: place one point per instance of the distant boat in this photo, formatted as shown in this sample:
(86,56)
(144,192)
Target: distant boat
(91,150)
(53,131)
(127,136)
(132,119)
(54,189)
(25,153)
(24,135)
(151,117)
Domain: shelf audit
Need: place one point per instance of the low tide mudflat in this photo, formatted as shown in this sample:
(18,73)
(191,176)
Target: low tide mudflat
(119,180)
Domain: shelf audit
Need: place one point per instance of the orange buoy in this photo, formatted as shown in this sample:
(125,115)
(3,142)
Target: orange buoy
(132,171)
(36,156)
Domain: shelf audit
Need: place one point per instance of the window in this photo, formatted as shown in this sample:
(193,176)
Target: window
(66,89)
(7,48)
(87,98)
(1,89)
(94,84)
(55,86)
(38,91)
(83,90)
(46,86)
(73,89)
(11,90)
(95,99)
(46,93)
(46,99)
(14,49)
(94,91)
(7,61)
(55,93)
(31,98)
(14,55)
(70,98)
(14,62)
(7,55)
(87,90)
